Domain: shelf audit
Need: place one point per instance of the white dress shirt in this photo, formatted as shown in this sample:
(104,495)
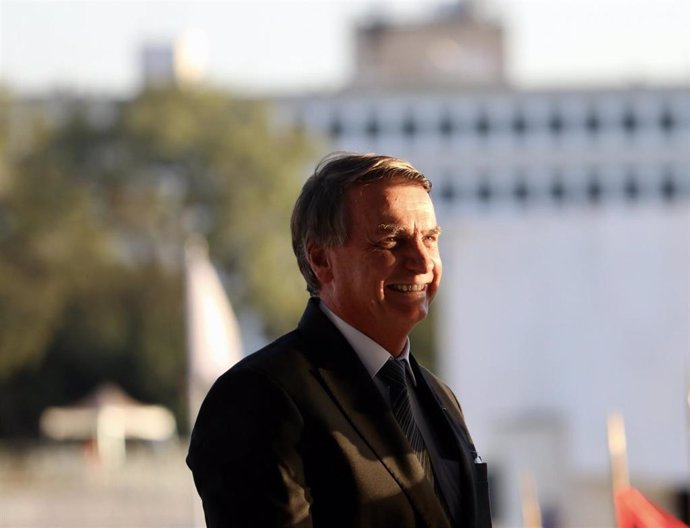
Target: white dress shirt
(372,355)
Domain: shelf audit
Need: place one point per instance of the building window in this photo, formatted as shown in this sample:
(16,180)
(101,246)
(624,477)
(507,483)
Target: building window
(556,124)
(519,124)
(446,126)
(593,189)
(557,188)
(592,123)
(521,191)
(631,188)
(482,125)
(409,126)
(629,122)
(448,192)
(668,186)
(667,122)
(484,191)
(336,127)
(372,127)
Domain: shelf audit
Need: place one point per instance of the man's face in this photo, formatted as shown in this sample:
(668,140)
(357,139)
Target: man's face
(383,278)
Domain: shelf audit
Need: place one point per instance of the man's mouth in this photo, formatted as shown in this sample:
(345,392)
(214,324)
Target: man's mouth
(407,288)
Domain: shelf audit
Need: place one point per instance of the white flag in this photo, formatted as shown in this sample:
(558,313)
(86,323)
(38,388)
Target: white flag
(213,335)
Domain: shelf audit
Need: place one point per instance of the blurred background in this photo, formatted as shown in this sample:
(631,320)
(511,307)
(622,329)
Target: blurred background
(152,151)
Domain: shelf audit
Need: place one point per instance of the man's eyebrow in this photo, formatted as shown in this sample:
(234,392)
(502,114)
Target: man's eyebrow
(394,230)
(391,229)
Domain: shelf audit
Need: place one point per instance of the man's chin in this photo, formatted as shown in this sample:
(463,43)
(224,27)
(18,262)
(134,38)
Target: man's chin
(413,314)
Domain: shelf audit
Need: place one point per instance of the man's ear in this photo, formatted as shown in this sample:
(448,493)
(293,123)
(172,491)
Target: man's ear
(320,262)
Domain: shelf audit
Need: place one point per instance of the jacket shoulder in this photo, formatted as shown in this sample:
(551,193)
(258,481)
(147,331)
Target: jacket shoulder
(277,363)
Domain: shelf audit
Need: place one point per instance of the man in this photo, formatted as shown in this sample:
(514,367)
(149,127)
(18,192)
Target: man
(335,424)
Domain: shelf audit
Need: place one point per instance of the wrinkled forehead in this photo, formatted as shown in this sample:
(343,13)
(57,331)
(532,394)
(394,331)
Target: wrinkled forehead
(390,203)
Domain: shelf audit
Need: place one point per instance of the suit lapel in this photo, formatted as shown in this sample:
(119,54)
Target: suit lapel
(347,382)
(453,416)
(449,406)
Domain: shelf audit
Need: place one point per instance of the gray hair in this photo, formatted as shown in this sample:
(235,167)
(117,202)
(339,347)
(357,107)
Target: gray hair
(319,214)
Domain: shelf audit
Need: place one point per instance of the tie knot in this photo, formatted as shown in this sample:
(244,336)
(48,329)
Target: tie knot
(393,373)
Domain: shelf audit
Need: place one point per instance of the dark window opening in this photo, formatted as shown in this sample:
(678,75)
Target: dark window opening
(484,191)
(629,122)
(446,126)
(594,189)
(667,122)
(669,188)
(592,123)
(556,124)
(519,124)
(521,191)
(448,193)
(372,127)
(557,189)
(631,189)
(336,127)
(409,127)
(482,125)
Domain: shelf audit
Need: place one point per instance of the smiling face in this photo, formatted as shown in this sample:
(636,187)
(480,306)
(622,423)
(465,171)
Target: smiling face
(383,278)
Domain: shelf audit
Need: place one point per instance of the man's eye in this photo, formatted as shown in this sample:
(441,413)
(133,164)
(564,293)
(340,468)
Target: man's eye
(389,242)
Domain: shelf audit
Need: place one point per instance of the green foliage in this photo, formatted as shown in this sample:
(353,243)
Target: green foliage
(94,213)
(423,342)
(44,225)
(238,182)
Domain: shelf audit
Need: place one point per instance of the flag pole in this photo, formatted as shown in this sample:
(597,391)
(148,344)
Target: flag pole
(618,456)
(618,452)
(531,512)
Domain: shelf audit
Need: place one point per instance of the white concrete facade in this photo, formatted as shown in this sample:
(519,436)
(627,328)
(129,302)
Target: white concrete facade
(566,295)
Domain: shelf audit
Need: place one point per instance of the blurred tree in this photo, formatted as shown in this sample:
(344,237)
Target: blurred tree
(228,173)
(44,229)
(94,213)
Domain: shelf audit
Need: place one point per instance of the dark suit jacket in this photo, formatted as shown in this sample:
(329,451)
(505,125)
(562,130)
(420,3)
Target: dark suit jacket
(297,434)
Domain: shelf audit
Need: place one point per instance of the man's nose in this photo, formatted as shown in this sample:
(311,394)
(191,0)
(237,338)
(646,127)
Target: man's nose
(418,257)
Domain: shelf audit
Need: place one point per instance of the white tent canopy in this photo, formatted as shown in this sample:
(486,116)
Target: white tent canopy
(109,416)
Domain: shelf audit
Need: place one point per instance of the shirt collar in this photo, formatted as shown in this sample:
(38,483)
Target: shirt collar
(372,355)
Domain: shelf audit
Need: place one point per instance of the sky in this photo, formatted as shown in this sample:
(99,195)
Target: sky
(289,46)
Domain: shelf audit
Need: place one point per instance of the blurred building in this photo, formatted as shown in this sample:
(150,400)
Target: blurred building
(566,246)
(178,62)
(459,47)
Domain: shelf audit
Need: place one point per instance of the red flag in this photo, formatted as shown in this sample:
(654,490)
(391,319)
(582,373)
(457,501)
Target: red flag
(634,510)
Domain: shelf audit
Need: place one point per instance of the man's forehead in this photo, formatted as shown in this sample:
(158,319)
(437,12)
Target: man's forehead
(390,206)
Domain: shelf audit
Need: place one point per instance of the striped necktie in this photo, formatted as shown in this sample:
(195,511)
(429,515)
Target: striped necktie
(393,375)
